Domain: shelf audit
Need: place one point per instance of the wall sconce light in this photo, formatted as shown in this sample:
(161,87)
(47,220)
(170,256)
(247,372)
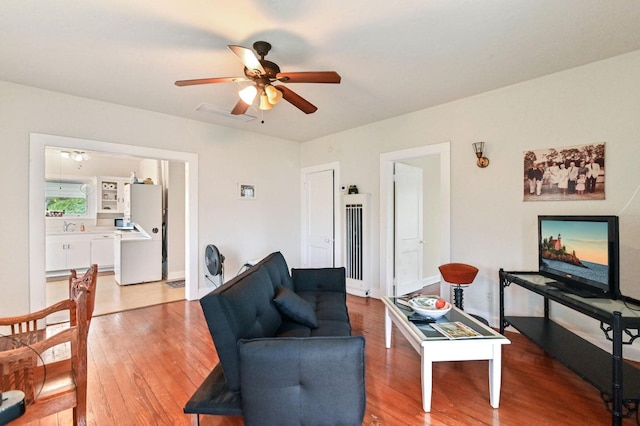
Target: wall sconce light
(478,148)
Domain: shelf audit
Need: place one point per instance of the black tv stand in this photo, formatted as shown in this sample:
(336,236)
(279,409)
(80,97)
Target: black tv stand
(559,285)
(617,380)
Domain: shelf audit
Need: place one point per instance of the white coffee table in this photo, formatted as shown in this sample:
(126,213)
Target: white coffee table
(434,347)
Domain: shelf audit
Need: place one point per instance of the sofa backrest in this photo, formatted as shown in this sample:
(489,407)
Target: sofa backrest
(240,309)
(278,270)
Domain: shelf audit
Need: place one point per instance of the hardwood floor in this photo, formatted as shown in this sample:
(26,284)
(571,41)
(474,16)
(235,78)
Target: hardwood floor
(145,363)
(111,297)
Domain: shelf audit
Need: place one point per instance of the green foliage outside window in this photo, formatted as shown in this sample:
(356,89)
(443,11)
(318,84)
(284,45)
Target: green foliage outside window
(65,199)
(70,206)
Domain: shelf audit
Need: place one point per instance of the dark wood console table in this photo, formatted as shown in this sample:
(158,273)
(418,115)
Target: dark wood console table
(617,380)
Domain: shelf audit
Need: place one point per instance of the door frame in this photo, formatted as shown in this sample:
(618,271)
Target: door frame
(37,226)
(387,160)
(337,205)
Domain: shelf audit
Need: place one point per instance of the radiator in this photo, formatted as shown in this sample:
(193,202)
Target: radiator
(356,243)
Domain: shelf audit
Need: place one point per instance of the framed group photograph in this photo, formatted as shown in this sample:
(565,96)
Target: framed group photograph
(571,173)
(247,191)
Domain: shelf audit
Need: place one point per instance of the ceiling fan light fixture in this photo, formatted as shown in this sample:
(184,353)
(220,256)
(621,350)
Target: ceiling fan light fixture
(273,94)
(248,94)
(75,155)
(259,73)
(264,102)
(80,156)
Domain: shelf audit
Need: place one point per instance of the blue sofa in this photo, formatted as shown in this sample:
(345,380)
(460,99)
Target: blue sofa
(286,352)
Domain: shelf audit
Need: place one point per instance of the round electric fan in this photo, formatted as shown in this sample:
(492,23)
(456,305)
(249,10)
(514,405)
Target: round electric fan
(214,265)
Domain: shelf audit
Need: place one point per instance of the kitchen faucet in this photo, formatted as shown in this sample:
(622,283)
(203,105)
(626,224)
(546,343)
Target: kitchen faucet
(66,225)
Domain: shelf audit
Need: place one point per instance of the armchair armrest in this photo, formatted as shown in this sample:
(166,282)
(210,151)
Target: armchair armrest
(312,381)
(319,279)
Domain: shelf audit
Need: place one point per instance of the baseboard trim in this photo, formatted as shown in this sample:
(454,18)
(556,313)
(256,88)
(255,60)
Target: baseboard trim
(358,292)
(176,275)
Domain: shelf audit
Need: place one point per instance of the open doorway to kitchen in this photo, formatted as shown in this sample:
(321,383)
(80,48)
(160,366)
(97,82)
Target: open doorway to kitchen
(39,143)
(85,201)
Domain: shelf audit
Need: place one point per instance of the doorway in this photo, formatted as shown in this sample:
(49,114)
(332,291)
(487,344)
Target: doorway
(441,152)
(38,144)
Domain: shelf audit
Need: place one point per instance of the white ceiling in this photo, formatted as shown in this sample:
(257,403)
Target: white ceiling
(394,56)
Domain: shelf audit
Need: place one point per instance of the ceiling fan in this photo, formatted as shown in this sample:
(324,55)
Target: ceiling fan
(262,74)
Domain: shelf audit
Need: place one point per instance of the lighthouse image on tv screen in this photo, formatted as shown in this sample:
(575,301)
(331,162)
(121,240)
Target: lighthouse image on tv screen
(576,249)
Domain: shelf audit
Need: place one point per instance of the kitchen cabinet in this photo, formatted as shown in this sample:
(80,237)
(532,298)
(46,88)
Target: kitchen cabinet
(67,252)
(102,251)
(111,194)
(79,251)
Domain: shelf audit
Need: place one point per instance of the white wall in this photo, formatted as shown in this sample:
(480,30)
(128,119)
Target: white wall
(149,169)
(491,226)
(243,230)
(175,267)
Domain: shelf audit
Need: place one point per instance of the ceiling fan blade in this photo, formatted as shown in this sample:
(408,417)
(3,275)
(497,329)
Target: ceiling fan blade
(309,77)
(240,108)
(296,100)
(210,81)
(248,58)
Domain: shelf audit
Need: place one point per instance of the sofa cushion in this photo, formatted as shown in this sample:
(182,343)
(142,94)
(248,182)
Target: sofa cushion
(295,307)
(242,308)
(317,381)
(332,314)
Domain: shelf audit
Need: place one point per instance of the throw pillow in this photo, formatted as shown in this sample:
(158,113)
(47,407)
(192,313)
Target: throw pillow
(295,307)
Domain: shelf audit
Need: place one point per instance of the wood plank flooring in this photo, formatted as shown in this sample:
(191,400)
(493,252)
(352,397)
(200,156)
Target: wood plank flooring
(144,364)
(111,297)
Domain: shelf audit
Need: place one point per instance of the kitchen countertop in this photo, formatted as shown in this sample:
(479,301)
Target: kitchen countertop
(98,230)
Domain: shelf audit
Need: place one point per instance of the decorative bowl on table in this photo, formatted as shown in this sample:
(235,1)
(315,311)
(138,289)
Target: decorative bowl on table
(426,306)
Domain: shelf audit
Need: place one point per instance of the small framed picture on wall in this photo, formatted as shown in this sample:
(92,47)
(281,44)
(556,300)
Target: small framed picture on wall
(247,191)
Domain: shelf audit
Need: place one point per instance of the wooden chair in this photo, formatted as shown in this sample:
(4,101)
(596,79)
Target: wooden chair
(30,356)
(88,281)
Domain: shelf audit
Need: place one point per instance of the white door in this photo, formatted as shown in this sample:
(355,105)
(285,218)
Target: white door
(408,252)
(318,221)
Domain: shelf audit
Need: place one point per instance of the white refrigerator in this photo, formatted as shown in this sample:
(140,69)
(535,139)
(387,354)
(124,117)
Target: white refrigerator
(138,253)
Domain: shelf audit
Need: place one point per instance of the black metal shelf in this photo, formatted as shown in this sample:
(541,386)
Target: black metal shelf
(617,380)
(593,364)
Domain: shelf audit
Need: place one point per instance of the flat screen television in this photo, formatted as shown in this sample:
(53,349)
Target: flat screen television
(580,253)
